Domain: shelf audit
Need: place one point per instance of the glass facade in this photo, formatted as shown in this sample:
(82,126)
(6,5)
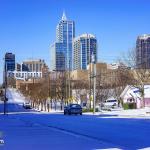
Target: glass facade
(63,47)
(25,67)
(10,61)
(83,48)
(143,52)
(60,56)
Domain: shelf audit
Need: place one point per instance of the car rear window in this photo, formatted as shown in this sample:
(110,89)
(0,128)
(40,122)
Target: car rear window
(75,106)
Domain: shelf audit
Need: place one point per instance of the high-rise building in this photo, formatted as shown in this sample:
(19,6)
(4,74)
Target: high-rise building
(61,51)
(58,57)
(84,47)
(143,52)
(10,62)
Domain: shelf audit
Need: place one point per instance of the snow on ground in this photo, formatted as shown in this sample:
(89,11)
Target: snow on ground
(120,113)
(139,113)
(28,129)
(14,96)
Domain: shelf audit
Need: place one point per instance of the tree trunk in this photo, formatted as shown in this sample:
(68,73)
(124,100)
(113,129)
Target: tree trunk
(61,107)
(48,107)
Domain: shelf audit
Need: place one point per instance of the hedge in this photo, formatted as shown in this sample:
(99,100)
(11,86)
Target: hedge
(129,105)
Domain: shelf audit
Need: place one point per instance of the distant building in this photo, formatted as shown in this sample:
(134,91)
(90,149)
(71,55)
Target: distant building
(30,69)
(18,67)
(33,65)
(24,67)
(45,71)
(61,50)
(24,75)
(117,66)
(10,62)
(58,57)
(143,52)
(84,46)
(78,75)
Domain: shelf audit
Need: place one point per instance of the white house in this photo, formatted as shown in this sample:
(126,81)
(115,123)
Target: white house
(132,95)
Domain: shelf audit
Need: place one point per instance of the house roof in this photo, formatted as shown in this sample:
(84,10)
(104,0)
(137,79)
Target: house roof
(131,91)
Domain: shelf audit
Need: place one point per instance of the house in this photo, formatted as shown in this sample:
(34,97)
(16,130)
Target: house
(131,94)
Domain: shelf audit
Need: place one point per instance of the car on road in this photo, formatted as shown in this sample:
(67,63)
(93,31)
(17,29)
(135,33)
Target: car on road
(110,103)
(27,105)
(73,109)
(3,98)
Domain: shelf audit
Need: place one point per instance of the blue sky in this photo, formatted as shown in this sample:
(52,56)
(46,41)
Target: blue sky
(27,27)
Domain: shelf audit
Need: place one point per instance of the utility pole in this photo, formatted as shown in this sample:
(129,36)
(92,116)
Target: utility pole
(90,82)
(90,78)
(55,88)
(69,81)
(66,78)
(94,82)
(5,77)
(48,103)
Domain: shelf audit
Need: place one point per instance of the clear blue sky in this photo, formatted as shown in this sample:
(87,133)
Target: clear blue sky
(27,27)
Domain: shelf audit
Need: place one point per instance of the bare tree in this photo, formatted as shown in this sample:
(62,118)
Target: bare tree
(11,81)
(140,75)
(61,87)
(81,88)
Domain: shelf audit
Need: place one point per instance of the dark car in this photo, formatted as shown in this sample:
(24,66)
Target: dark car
(27,105)
(73,109)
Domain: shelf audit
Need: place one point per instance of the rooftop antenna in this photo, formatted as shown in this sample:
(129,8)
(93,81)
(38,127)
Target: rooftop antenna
(64,16)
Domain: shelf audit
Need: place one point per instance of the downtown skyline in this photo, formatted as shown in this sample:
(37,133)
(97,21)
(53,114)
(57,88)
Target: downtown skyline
(28,28)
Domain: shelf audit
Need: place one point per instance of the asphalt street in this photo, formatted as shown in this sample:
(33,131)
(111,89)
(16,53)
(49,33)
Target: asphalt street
(29,129)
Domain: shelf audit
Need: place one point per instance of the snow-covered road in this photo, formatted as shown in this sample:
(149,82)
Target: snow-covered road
(54,131)
(14,103)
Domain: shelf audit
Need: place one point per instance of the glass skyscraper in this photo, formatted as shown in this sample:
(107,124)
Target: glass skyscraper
(143,52)
(10,62)
(84,47)
(61,53)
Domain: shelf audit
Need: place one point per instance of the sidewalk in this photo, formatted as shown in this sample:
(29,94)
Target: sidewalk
(131,113)
(50,111)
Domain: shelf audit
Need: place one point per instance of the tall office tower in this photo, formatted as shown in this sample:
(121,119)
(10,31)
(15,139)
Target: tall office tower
(62,50)
(84,47)
(10,61)
(143,52)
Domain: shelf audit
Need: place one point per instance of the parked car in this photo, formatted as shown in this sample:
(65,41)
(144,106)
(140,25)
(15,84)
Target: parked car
(110,103)
(27,105)
(3,98)
(73,109)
